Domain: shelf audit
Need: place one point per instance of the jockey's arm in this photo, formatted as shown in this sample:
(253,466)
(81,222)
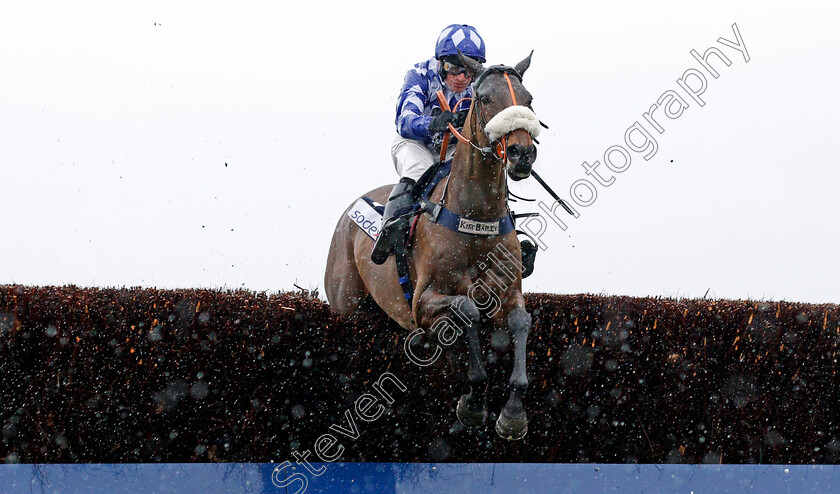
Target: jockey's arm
(411,123)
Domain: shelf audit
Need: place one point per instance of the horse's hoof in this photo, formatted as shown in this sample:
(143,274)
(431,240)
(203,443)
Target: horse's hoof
(471,419)
(529,254)
(512,429)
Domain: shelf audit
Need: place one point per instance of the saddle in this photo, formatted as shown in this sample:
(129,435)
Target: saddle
(420,204)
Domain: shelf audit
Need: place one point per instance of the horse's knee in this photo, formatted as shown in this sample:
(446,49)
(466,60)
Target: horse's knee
(466,310)
(519,320)
(455,312)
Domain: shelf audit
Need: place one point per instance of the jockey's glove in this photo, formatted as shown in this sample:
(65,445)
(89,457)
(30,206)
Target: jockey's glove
(442,121)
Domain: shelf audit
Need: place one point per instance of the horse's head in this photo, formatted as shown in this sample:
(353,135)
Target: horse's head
(502,111)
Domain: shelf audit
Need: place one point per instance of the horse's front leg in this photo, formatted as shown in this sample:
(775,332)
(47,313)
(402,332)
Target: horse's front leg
(448,317)
(513,422)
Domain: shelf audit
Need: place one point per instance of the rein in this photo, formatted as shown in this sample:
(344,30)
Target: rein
(499,147)
(444,105)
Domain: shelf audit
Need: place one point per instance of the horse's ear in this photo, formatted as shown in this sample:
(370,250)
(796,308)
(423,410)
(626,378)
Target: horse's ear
(471,64)
(522,66)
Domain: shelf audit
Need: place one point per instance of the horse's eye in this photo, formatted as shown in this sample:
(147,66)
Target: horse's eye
(484,99)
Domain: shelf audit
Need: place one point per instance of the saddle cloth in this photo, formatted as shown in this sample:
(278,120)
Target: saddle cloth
(367,215)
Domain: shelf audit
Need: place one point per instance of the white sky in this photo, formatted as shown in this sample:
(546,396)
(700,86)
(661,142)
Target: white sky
(116,124)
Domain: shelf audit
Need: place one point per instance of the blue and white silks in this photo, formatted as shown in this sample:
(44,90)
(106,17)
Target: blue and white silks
(418,99)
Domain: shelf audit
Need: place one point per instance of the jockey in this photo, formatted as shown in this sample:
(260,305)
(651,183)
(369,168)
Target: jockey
(421,124)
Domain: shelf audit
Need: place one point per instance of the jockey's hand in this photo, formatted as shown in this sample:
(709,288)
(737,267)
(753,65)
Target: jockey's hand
(442,121)
(460,118)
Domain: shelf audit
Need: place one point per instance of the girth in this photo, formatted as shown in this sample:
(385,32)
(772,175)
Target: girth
(452,220)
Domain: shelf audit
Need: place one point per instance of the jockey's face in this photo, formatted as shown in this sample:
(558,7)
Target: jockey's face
(458,83)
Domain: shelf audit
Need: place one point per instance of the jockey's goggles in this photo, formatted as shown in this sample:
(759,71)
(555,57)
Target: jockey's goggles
(453,69)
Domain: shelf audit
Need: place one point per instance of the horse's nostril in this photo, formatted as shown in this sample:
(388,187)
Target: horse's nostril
(531,153)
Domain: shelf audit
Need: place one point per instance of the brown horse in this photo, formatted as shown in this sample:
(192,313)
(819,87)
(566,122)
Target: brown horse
(459,277)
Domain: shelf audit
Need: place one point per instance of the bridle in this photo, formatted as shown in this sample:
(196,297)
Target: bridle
(498,147)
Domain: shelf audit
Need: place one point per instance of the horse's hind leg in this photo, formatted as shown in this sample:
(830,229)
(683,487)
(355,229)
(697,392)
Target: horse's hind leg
(344,287)
(450,316)
(513,422)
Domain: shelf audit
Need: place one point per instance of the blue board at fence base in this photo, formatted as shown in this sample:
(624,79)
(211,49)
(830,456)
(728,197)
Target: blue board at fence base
(411,478)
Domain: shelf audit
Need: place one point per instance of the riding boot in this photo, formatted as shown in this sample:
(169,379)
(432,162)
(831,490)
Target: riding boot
(529,254)
(393,229)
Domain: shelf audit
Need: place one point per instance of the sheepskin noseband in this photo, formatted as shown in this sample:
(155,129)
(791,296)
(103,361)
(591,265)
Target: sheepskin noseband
(510,119)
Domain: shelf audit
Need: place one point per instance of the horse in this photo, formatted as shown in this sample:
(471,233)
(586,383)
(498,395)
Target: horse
(451,267)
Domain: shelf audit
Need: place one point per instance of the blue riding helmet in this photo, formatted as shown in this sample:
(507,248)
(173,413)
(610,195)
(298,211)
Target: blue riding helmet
(460,37)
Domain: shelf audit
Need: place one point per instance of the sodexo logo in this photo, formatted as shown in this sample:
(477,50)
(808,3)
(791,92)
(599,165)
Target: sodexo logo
(366,218)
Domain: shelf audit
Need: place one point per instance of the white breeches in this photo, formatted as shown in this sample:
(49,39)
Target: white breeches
(411,158)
